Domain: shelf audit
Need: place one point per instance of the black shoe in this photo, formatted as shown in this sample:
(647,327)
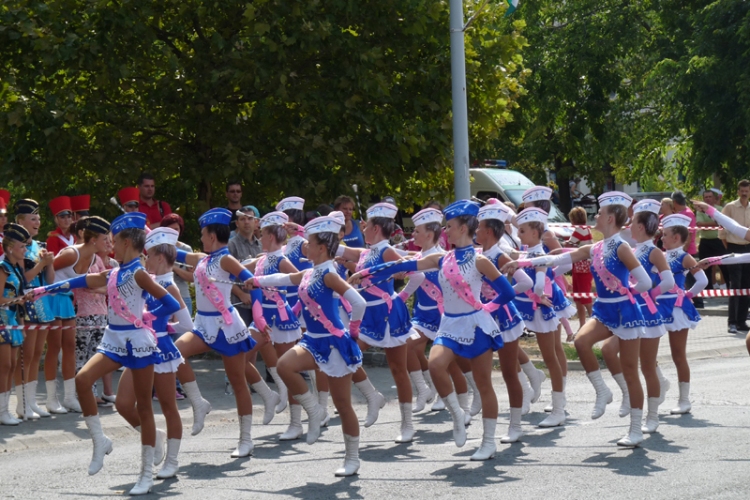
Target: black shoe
(743,328)
(732,329)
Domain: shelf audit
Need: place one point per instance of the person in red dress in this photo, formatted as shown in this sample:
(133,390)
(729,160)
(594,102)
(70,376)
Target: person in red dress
(582,277)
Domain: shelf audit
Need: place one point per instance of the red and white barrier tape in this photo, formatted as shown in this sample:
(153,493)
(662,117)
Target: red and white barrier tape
(49,327)
(586,226)
(705,293)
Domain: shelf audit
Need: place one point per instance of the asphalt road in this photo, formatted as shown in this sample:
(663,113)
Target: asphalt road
(702,455)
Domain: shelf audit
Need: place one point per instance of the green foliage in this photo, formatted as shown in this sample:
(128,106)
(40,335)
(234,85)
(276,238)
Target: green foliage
(290,97)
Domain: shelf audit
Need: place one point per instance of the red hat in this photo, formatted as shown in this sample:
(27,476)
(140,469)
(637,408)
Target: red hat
(3,206)
(80,203)
(5,195)
(60,204)
(128,195)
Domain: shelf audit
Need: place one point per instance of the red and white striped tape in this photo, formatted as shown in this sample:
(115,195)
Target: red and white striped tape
(586,226)
(705,293)
(49,327)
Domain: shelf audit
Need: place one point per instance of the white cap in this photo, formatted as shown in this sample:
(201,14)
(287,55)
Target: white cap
(652,206)
(338,217)
(291,203)
(426,216)
(325,224)
(532,214)
(537,193)
(716,191)
(274,219)
(615,198)
(498,211)
(161,236)
(386,210)
(676,220)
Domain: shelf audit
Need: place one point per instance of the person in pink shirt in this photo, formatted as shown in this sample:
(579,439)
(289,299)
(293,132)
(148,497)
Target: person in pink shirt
(679,202)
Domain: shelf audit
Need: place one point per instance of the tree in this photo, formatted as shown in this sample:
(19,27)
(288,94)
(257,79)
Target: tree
(290,97)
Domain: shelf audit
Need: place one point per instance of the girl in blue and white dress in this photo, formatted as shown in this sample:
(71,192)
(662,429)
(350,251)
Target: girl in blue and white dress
(160,257)
(540,309)
(386,323)
(285,328)
(294,208)
(326,345)
(645,224)
(127,340)
(218,326)
(466,328)
(491,229)
(12,286)
(615,311)
(684,315)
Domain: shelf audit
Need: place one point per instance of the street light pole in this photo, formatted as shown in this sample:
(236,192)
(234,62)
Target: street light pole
(460,109)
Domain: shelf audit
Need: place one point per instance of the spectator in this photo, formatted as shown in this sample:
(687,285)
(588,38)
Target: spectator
(244,245)
(710,245)
(679,202)
(352,234)
(667,208)
(234,197)
(182,276)
(154,209)
(582,277)
(739,277)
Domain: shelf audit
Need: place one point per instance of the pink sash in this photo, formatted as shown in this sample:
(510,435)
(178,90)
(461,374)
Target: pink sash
(432,290)
(315,309)
(120,307)
(610,281)
(453,274)
(367,283)
(212,293)
(273,296)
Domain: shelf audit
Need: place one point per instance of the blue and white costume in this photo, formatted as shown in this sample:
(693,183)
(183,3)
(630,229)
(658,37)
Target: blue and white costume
(507,317)
(293,251)
(283,331)
(63,302)
(619,312)
(169,356)
(653,321)
(40,310)
(15,286)
(426,313)
(684,314)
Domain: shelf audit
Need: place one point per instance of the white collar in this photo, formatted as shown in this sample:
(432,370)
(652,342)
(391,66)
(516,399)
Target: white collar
(379,245)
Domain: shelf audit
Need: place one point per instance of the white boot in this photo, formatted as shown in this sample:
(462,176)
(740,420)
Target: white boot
(169,469)
(102,444)
(70,400)
(557,415)
(270,398)
(375,400)
(245,446)
(476,402)
(488,447)
(652,417)
(463,400)
(438,405)
(683,404)
(536,377)
(514,428)
(635,435)
(433,392)
(407,426)
(625,405)
(5,417)
(323,402)
(53,404)
(160,450)
(295,430)
(201,407)
(457,414)
(351,457)
(146,477)
(32,400)
(314,412)
(23,395)
(528,393)
(281,388)
(603,394)
(550,407)
(663,385)
(423,392)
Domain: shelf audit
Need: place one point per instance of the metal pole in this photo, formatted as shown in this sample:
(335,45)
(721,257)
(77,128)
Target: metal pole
(461,186)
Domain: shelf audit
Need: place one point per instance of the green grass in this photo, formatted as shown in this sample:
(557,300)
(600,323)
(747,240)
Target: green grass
(572,354)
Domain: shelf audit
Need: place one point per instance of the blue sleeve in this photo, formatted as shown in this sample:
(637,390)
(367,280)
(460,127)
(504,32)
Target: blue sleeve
(64,286)
(181,256)
(168,305)
(391,268)
(502,286)
(245,275)
(256,296)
